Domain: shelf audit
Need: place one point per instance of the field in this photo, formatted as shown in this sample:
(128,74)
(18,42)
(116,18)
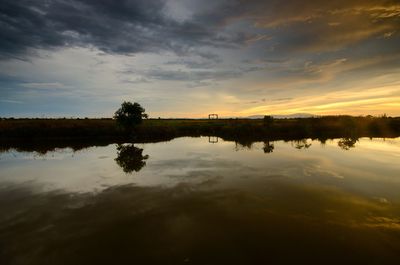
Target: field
(29,134)
(153,128)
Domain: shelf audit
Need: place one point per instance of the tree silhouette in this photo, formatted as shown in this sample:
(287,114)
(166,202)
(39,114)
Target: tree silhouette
(129,115)
(130,158)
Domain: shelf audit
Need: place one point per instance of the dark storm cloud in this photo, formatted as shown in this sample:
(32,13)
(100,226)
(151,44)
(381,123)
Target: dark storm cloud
(123,27)
(192,75)
(195,74)
(128,27)
(199,75)
(203,62)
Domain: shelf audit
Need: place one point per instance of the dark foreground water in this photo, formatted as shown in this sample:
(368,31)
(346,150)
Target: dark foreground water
(190,201)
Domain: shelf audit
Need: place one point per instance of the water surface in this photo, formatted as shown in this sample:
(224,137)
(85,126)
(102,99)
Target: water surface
(203,201)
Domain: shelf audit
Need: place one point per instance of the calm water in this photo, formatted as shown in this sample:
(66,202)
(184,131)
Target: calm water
(189,201)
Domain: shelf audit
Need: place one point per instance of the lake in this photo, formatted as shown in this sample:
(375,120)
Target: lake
(203,201)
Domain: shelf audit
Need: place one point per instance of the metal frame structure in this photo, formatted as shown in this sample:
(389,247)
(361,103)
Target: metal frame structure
(213,116)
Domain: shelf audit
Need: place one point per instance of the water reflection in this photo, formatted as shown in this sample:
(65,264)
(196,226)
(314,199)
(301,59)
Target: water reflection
(259,223)
(41,147)
(268,147)
(301,144)
(130,158)
(243,144)
(212,139)
(200,203)
(347,143)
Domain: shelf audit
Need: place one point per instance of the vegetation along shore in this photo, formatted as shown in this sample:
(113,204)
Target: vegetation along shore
(64,132)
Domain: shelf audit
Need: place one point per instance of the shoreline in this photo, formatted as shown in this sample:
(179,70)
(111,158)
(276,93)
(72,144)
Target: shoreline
(47,134)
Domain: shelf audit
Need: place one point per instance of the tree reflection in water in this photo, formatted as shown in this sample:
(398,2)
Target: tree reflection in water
(347,143)
(130,158)
(301,144)
(268,147)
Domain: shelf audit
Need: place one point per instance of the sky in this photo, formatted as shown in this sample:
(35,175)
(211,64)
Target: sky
(189,58)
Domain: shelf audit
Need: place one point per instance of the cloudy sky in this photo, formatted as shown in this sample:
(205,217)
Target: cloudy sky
(188,58)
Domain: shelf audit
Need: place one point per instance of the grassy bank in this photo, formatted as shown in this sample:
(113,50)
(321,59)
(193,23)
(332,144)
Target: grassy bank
(27,134)
(166,128)
(170,128)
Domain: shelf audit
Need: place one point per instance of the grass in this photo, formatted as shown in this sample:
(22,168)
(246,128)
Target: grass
(159,129)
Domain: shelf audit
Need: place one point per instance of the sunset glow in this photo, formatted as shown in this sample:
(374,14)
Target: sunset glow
(187,58)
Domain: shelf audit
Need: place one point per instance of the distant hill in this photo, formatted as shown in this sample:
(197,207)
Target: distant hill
(295,115)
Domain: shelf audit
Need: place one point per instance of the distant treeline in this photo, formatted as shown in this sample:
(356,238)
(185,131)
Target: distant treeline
(107,131)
